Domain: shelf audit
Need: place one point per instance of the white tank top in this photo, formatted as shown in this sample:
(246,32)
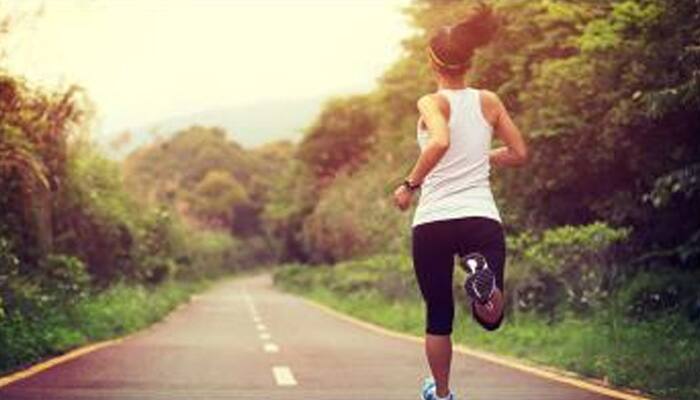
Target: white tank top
(458,186)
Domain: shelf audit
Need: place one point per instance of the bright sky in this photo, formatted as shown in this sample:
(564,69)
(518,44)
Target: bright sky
(145,60)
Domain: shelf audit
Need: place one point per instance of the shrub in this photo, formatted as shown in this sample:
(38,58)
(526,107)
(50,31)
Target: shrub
(64,278)
(650,295)
(206,254)
(571,263)
(9,267)
(389,276)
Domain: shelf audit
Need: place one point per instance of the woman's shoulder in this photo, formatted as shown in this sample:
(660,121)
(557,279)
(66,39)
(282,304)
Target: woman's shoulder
(488,97)
(431,100)
(490,105)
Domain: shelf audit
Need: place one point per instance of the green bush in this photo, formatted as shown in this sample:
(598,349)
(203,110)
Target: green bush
(570,265)
(63,278)
(95,219)
(205,254)
(158,238)
(56,281)
(56,328)
(9,268)
(388,276)
(355,217)
(567,267)
(649,295)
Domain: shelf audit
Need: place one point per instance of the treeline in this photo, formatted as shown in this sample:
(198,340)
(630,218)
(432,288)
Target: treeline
(65,208)
(602,224)
(212,183)
(608,94)
(81,258)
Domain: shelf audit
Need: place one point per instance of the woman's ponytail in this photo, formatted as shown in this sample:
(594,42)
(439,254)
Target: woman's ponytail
(477,30)
(453,47)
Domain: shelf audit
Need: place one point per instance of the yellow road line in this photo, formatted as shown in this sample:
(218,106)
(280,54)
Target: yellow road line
(26,373)
(555,376)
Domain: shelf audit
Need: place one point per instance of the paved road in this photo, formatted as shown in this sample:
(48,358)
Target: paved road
(245,340)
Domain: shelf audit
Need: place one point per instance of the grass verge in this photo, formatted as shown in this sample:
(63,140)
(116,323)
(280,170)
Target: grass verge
(114,312)
(661,357)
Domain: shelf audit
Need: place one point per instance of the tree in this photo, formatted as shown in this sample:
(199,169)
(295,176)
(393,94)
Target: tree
(339,139)
(215,197)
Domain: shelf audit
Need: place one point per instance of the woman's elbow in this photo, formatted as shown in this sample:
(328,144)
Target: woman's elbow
(441,144)
(522,156)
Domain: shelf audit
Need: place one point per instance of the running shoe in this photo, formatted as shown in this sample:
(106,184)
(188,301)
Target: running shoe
(427,392)
(481,281)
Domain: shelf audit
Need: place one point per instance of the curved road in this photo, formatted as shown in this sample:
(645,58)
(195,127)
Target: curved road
(245,340)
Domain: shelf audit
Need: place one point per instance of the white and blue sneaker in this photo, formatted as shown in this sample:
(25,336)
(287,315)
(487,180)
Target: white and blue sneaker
(427,392)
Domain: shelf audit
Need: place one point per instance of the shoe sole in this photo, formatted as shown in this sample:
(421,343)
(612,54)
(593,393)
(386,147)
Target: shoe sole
(481,281)
(481,285)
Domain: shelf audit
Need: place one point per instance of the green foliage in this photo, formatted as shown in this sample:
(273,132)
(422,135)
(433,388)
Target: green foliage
(597,137)
(216,196)
(80,258)
(156,246)
(340,137)
(610,128)
(682,183)
(34,126)
(649,296)
(208,254)
(94,216)
(221,187)
(567,264)
(63,277)
(54,329)
(9,269)
(354,218)
(30,149)
(612,135)
(157,171)
(290,200)
(388,276)
(218,178)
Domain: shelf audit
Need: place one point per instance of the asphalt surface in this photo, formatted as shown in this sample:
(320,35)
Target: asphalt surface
(245,340)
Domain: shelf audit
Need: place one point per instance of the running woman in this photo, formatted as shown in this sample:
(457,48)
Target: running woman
(456,213)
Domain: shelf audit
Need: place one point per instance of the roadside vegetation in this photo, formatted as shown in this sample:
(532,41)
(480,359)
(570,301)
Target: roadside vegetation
(92,248)
(112,312)
(615,342)
(602,224)
(80,258)
(603,270)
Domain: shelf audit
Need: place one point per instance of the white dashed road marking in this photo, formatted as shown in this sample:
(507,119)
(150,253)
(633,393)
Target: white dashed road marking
(271,348)
(283,376)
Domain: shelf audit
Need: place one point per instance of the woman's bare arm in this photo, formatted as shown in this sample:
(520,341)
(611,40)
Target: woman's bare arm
(514,153)
(434,109)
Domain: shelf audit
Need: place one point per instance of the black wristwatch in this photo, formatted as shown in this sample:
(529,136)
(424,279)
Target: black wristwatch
(409,186)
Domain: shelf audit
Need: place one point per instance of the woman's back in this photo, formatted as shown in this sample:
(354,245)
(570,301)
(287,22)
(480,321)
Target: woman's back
(458,186)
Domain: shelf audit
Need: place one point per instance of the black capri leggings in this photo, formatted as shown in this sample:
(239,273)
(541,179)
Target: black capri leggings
(434,245)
